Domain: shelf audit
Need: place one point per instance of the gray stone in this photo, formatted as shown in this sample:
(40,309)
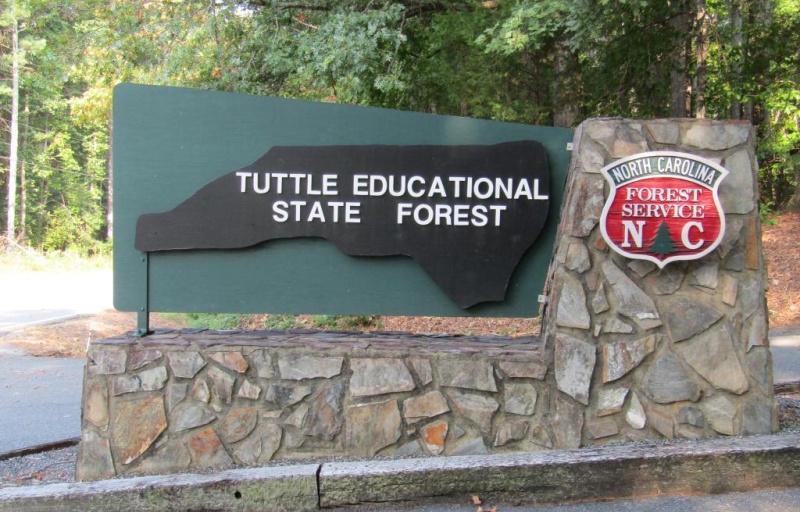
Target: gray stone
(457,432)
(141,358)
(221,384)
(623,356)
(720,412)
(410,449)
(713,356)
(572,311)
(758,331)
(706,276)
(628,141)
(574,364)
(249,390)
(262,362)
(185,364)
(188,415)
(154,378)
(663,132)
(298,417)
(248,451)
(270,436)
(759,366)
(473,446)
(520,398)
(734,262)
(599,301)
(95,402)
(293,438)
(171,457)
(751,294)
(94,458)
(125,384)
(578,258)
(422,367)
(661,421)
(691,416)
(231,360)
(641,267)
(424,406)
(736,192)
(433,436)
(590,157)
(534,369)
(613,325)
(758,416)
(135,425)
(109,361)
(598,429)
(632,302)
(668,280)
(568,423)
(326,409)
(372,427)
(540,436)
(476,408)
(730,288)
(200,391)
(635,416)
(586,207)
(685,317)
(716,137)
(207,451)
(299,367)
(287,395)
(473,374)
(373,377)
(666,381)
(237,424)
(510,431)
(176,392)
(611,400)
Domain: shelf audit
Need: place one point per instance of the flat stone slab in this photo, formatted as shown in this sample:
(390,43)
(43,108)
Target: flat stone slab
(288,488)
(718,465)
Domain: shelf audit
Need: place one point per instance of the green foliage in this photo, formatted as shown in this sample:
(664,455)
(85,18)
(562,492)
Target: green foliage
(217,321)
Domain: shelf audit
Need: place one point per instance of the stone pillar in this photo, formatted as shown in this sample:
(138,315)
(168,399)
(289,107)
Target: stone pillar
(641,352)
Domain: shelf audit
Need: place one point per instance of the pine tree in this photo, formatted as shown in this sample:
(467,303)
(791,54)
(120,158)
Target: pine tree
(662,245)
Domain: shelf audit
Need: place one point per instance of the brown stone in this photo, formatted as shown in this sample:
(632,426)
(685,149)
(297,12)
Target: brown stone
(422,367)
(424,406)
(534,369)
(623,356)
(237,424)
(752,251)
(109,361)
(141,358)
(371,427)
(171,457)
(94,458)
(135,425)
(207,451)
(474,374)
(520,398)
(574,362)
(221,384)
(326,408)
(434,435)
(712,355)
(231,360)
(598,429)
(476,408)
(185,364)
(95,403)
(379,376)
(568,423)
(586,206)
(510,431)
(249,390)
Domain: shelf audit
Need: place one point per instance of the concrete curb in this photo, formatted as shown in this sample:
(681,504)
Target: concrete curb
(697,467)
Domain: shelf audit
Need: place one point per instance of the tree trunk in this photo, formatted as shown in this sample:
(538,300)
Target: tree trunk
(735,11)
(109,185)
(679,77)
(566,87)
(11,200)
(701,56)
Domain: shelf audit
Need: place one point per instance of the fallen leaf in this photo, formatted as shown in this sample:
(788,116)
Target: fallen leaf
(476,500)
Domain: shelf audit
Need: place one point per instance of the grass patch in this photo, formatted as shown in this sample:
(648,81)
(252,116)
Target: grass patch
(28,260)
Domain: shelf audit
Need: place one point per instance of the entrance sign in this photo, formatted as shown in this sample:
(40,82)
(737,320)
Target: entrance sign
(466,214)
(663,206)
(243,204)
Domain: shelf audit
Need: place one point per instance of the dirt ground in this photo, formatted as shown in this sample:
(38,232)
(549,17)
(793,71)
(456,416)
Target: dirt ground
(781,245)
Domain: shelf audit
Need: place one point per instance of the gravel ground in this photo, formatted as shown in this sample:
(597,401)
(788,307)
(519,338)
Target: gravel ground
(59,465)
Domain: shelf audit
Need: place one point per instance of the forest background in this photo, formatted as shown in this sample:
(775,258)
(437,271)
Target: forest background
(544,62)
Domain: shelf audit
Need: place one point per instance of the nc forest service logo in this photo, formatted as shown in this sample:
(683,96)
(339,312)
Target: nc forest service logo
(663,206)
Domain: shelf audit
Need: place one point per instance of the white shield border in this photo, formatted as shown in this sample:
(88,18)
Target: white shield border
(613,192)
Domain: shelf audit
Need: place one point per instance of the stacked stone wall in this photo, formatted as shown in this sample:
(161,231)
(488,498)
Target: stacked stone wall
(641,352)
(628,352)
(178,401)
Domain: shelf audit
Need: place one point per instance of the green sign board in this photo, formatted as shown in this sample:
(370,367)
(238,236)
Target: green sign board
(236,203)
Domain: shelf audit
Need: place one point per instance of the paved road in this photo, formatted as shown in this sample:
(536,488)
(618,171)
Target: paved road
(40,398)
(30,298)
(785,346)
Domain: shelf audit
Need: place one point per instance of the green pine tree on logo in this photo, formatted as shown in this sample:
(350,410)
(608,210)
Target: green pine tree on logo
(663,245)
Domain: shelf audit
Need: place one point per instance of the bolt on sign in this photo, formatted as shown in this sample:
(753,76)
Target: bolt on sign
(663,206)
(236,203)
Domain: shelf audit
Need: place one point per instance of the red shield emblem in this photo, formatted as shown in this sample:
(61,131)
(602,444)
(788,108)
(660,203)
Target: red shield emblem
(663,206)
